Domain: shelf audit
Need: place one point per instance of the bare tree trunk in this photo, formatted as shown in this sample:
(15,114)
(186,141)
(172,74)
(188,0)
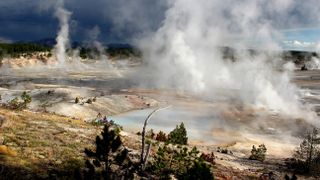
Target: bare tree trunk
(146,156)
(142,159)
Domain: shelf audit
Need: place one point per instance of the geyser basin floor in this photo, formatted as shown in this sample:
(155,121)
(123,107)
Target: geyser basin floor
(211,122)
(208,125)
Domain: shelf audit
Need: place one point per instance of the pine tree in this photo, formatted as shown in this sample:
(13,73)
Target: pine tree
(308,153)
(108,151)
(178,135)
(258,153)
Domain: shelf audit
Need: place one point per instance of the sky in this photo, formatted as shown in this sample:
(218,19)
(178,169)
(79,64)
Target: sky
(118,20)
(123,21)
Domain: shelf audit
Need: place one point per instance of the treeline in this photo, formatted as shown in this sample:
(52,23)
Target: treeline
(118,52)
(16,49)
(298,57)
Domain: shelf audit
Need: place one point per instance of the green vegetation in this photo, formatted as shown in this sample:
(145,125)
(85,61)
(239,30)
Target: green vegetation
(109,152)
(19,104)
(17,49)
(110,159)
(180,162)
(26,49)
(124,52)
(258,153)
(120,52)
(178,135)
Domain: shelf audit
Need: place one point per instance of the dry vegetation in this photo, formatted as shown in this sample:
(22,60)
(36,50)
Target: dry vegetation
(43,145)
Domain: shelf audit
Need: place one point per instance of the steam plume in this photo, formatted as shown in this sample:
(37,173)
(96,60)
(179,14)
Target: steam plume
(62,39)
(184,54)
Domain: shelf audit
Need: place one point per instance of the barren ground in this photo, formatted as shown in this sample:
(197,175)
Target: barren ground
(54,131)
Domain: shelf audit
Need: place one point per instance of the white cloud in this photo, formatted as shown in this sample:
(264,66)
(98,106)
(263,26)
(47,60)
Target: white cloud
(300,44)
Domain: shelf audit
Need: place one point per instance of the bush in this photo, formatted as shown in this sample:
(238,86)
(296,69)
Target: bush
(18,104)
(199,171)
(76,100)
(109,152)
(161,136)
(180,162)
(178,135)
(89,101)
(258,153)
(26,98)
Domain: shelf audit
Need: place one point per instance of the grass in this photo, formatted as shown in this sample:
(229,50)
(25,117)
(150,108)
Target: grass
(45,144)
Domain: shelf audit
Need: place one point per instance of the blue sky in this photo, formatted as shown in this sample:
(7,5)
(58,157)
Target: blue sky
(301,39)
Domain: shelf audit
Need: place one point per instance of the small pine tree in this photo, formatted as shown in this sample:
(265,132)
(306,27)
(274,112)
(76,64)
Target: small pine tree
(26,99)
(258,153)
(307,155)
(161,136)
(108,152)
(178,135)
(17,104)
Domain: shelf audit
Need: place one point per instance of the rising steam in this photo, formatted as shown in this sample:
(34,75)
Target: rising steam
(62,39)
(184,54)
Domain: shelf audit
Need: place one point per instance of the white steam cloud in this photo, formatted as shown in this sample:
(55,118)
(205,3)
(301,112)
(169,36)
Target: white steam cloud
(62,39)
(93,36)
(184,53)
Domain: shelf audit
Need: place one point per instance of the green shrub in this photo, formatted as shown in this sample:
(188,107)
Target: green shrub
(258,153)
(26,98)
(199,171)
(19,104)
(178,135)
(109,152)
(180,162)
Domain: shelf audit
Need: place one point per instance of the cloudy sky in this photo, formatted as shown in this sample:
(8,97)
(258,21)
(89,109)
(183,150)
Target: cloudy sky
(118,20)
(125,20)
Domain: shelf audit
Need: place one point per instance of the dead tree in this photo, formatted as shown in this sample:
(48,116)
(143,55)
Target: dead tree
(143,156)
